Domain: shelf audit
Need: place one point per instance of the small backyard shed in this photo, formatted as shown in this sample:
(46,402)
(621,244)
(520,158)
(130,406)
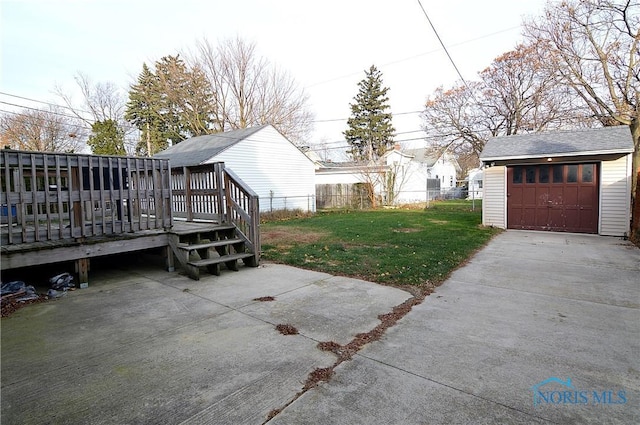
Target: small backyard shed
(566,181)
(273,167)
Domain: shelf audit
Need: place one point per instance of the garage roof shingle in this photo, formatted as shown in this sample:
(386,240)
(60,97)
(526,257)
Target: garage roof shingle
(198,150)
(593,141)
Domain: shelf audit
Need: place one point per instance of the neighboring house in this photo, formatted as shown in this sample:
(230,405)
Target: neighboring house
(423,165)
(571,181)
(280,173)
(474,183)
(399,177)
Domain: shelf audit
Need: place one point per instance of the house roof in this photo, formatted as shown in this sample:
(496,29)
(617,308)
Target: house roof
(593,141)
(197,150)
(420,155)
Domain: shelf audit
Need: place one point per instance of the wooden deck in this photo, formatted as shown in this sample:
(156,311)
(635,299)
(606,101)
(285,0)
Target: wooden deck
(63,207)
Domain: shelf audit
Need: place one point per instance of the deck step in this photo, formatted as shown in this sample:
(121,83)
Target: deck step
(194,228)
(221,259)
(212,244)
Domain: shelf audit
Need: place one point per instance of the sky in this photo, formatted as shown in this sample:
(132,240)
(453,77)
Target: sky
(326,46)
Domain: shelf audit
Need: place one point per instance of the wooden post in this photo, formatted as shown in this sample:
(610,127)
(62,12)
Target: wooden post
(82,268)
(170,261)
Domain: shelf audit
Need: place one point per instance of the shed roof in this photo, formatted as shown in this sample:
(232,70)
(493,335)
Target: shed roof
(592,141)
(199,149)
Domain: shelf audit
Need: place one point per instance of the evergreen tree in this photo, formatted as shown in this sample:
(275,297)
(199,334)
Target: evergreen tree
(187,99)
(143,110)
(370,132)
(171,104)
(107,138)
(171,73)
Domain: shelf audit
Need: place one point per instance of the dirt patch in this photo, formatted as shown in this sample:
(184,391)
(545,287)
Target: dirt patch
(329,346)
(407,230)
(284,236)
(10,306)
(318,375)
(438,221)
(287,329)
(264,299)
(273,414)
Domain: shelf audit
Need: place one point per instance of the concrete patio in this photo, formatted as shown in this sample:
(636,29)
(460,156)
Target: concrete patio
(141,345)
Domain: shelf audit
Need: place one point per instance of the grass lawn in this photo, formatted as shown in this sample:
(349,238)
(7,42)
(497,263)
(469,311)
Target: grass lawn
(415,247)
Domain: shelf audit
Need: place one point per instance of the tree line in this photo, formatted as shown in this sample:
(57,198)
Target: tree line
(215,88)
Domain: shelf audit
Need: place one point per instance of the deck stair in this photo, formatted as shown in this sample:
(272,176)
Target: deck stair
(211,247)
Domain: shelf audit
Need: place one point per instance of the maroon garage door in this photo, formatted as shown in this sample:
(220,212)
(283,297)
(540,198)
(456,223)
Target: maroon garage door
(558,197)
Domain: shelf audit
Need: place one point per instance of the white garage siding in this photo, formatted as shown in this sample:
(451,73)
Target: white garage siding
(615,196)
(281,175)
(494,205)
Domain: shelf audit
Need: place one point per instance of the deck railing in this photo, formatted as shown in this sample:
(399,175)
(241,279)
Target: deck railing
(211,192)
(51,196)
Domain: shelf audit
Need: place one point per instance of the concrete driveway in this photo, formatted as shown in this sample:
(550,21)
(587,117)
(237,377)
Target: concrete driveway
(536,328)
(486,346)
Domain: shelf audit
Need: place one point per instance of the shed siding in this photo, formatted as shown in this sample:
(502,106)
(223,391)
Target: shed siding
(615,196)
(494,203)
(281,175)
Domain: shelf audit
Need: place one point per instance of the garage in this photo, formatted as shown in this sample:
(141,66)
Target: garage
(575,181)
(558,197)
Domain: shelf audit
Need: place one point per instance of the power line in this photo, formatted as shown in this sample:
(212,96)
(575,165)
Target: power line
(471,40)
(48,119)
(35,100)
(345,119)
(443,46)
(38,110)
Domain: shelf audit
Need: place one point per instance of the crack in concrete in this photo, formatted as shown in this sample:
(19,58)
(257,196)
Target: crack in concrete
(347,351)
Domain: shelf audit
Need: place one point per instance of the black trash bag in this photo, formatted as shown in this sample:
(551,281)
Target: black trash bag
(14,287)
(62,282)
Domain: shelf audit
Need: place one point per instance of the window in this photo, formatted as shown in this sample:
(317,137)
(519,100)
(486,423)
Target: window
(517,175)
(587,173)
(543,174)
(479,184)
(530,173)
(572,173)
(558,176)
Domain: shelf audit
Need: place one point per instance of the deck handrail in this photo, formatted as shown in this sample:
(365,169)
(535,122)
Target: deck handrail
(243,209)
(58,196)
(211,192)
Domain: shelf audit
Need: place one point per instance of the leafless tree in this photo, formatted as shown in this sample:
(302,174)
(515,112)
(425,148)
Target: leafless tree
(594,49)
(452,119)
(100,101)
(42,130)
(515,94)
(249,90)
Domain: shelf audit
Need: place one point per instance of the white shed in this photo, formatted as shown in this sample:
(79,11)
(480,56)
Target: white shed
(280,173)
(567,181)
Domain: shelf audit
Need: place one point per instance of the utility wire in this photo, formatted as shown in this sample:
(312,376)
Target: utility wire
(38,110)
(413,57)
(35,100)
(444,47)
